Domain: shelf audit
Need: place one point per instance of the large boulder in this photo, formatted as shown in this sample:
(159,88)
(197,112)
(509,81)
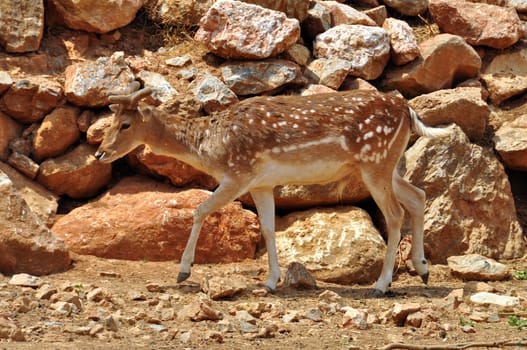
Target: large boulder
(234,29)
(478,24)
(338,245)
(366,47)
(140,218)
(26,244)
(469,206)
(445,60)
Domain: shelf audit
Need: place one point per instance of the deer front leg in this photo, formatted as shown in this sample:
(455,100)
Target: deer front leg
(265,206)
(226,192)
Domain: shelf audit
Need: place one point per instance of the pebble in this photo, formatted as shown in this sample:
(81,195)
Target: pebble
(98,294)
(157,327)
(291,316)
(355,318)
(220,287)
(243,315)
(246,327)
(401,311)
(25,280)
(314,314)
(179,61)
(477,267)
(45,292)
(297,276)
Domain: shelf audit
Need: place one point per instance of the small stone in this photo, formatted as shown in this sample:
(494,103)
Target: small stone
(246,327)
(109,274)
(487,298)
(158,327)
(244,316)
(298,276)
(96,329)
(401,311)
(136,295)
(256,309)
(63,308)
(291,316)
(97,294)
(355,318)
(25,280)
(330,296)
(185,336)
(415,319)
(468,329)
(45,292)
(112,323)
(220,287)
(154,288)
(179,61)
(314,314)
(225,326)
(214,335)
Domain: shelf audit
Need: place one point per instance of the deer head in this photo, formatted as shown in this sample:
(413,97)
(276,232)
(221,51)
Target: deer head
(126,131)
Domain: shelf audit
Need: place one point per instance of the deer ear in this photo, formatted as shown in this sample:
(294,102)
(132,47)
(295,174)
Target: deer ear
(114,107)
(145,112)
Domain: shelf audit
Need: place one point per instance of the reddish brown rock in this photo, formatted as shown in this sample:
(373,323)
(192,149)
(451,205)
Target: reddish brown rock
(40,93)
(97,16)
(478,24)
(57,132)
(345,14)
(9,130)
(511,143)
(292,8)
(404,46)
(77,173)
(22,24)
(26,244)
(152,221)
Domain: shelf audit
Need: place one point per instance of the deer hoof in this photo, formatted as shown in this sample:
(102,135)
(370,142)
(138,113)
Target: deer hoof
(424,277)
(182,276)
(377,293)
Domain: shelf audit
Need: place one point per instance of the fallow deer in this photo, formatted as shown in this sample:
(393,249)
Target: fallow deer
(263,142)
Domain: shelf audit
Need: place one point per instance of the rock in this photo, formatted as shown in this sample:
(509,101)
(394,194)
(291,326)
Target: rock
(291,316)
(27,245)
(312,89)
(401,311)
(477,267)
(77,173)
(45,291)
(330,72)
(255,309)
(179,61)
(57,133)
(25,280)
(314,314)
(41,202)
(336,245)
(292,8)
(24,164)
(429,72)
(179,173)
(408,7)
(200,310)
(150,220)
(297,276)
(9,130)
(471,287)
(403,44)
(40,93)
(511,143)
(22,24)
(10,330)
(97,128)
(299,54)
(318,21)
(367,48)
(462,106)
(29,63)
(479,24)
(220,287)
(234,29)
(355,318)
(464,182)
(244,316)
(330,296)
(505,75)
(89,83)
(345,14)
(212,93)
(98,294)
(5,81)
(97,17)
(256,77)
(377,13)
(486,298)
(415,319)
(162,90)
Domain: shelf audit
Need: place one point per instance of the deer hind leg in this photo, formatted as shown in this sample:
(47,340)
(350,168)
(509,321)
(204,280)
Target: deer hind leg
(413,199)
(381,190)
(264,202)
(226,192)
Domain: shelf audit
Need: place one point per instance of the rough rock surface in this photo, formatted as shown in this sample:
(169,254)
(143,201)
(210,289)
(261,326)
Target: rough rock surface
(478,24)
(338,245)
(476,267)
(408,7)
(511,143)
(464,184)
(445,60)
(292,8)
(462,106)
(77,173)
(26,244)
(367,48)
(21,25)
(149,220)
(403,44)
(97,16)
(233,29)
(9,130)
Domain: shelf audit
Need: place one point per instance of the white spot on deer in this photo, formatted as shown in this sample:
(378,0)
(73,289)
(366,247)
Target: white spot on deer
(368,135)
(282,123)
(387,130)
(312,111)
(378,129)
(275,125)
(263,122)
(358,140)
(235,128)
(275,150)
(295,126)
(251,121)
(361,126)
(268,114)
(364,152)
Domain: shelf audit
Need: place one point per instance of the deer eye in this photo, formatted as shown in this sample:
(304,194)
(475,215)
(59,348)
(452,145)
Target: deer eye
(124,126)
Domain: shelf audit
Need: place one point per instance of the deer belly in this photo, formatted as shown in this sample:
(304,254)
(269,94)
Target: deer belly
(315,172)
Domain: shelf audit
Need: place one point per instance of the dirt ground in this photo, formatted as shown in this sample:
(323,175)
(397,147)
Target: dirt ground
(442,324)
